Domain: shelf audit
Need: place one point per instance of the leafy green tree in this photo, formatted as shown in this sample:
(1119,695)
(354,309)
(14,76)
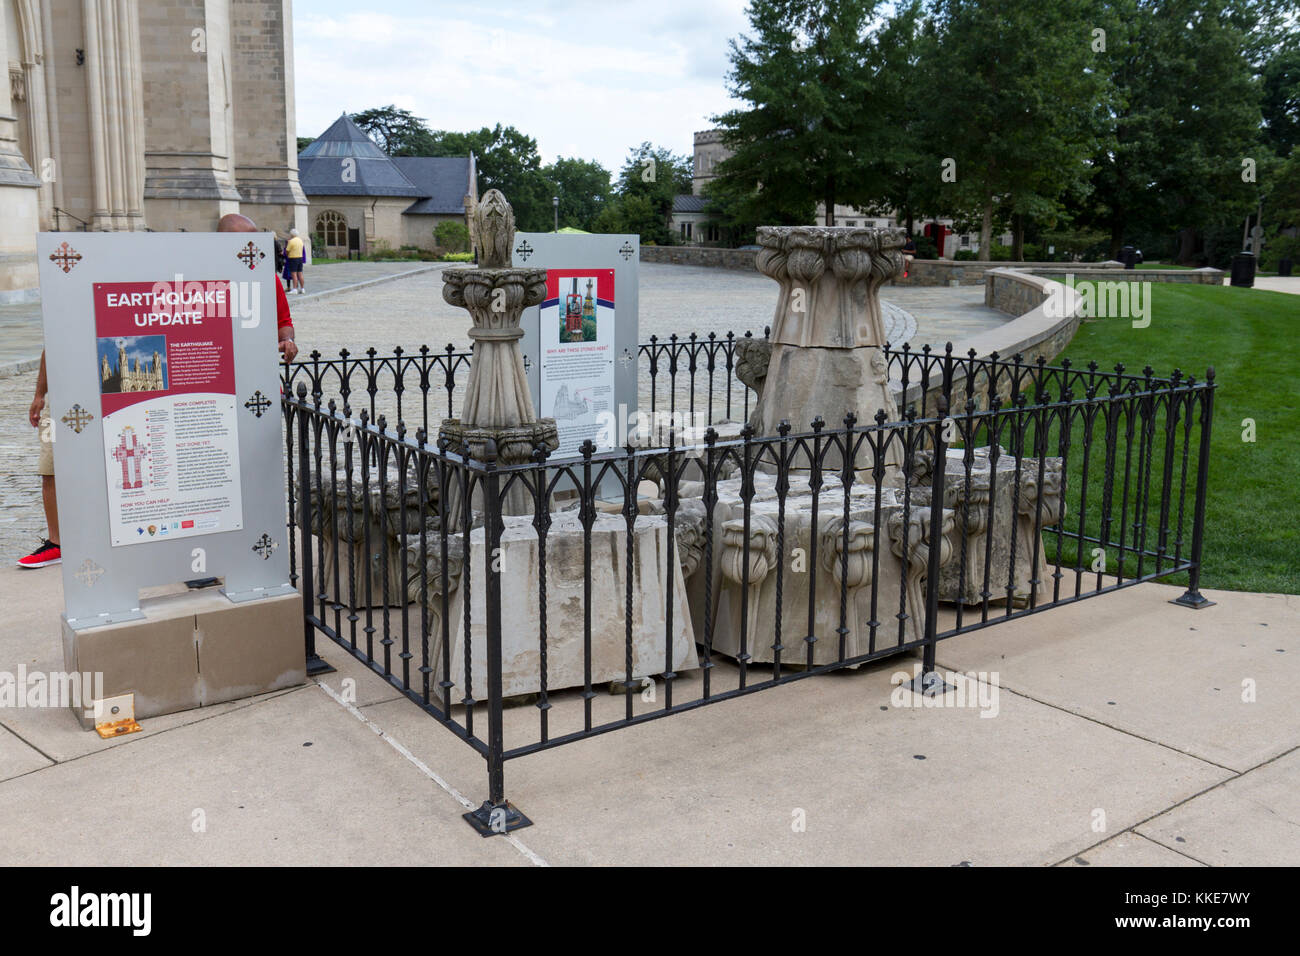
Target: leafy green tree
(507,160)
(738,211)
(583,188)
(304,142)
(634,214)
(651,178)
(1183,115)
(905,87)
(1021,109)
(396,131)
(806,133)
(1280,101)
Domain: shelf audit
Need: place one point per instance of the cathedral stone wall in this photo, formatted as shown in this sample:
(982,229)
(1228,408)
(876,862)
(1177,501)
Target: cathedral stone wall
(134,114)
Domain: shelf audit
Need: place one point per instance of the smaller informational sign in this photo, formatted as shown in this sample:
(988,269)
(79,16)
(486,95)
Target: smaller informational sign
(580,343)
(167,393)
(577,353)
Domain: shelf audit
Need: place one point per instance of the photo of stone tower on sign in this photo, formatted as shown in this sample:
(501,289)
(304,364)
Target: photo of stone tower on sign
(132,363)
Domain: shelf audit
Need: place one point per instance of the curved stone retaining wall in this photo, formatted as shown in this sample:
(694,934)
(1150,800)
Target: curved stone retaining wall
(927,272)
(1087,273)
(1047,316)
(972,271)
(701,256)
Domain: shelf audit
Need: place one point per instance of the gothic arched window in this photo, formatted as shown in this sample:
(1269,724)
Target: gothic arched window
(332,227)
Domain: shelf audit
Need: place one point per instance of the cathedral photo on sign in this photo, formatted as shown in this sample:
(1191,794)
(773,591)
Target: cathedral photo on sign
(133,364)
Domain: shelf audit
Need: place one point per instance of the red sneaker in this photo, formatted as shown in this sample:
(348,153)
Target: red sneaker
(48,553)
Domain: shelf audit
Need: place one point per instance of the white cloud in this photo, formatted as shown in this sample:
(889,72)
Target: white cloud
(586,79)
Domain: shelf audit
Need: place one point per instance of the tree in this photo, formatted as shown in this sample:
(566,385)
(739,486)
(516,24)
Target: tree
(1183,115)
(304,142)
(1280,101)
(396,131)
(807,131)
(901,56)
(507,160)
(583,189)
(651,178)
(1022,113)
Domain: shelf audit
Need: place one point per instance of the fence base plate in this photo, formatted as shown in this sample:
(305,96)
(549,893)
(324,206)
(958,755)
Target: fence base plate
(317,665)
(929,684)
(1195,601)
(489,820)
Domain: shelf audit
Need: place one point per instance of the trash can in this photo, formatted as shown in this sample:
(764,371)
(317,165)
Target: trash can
(1128,255)
(1284,267)
(1243,270)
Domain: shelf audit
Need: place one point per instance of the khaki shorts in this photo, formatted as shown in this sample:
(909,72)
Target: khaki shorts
(45,464)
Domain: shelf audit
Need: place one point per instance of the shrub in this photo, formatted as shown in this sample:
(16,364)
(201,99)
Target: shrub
(451,235)
(458,257)
(964,255)
(1279,247)
(926,248)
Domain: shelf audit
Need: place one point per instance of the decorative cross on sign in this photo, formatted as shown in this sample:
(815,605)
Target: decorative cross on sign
(77,418)
(626,251)
(65,257)
(258,404)
(89,573)
(265,545)
(523,250)
(250,254)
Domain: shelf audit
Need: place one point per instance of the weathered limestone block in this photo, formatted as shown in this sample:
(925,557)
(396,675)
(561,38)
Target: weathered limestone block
(657,643)
(1010,551)
(753,356)
(884,567)
(359,528)
(827,332)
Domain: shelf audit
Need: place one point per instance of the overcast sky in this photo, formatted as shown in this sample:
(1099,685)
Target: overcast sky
(585,79)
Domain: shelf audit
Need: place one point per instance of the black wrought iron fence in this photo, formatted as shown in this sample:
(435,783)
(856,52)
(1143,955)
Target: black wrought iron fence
(720,567)
(693,374)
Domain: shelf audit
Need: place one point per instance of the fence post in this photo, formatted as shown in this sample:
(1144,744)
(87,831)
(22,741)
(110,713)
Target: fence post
(929,682)
(315,663)
(496,815)
(1193,597)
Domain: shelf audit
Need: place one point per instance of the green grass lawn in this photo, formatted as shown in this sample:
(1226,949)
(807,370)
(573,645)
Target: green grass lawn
(1252,338)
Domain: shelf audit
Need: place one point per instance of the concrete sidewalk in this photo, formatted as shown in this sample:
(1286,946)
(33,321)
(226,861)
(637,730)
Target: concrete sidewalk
(1122,736)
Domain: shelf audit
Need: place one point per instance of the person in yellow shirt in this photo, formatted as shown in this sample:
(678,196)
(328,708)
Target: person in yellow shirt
(294,253)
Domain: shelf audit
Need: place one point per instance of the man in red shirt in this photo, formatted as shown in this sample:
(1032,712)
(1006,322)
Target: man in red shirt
(234,222)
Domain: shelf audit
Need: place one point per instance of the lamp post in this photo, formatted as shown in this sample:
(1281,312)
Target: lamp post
(555,201)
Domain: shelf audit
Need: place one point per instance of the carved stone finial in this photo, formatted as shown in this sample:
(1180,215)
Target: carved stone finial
(494,230)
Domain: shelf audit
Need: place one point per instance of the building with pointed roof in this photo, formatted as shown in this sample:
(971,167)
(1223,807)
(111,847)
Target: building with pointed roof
(359,196)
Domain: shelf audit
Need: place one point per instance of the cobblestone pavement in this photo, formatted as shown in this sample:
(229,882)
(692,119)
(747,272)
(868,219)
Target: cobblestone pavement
(411,312)
(680,299)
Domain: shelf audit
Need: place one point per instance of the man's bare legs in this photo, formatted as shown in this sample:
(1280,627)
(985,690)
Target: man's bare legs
(51,507)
